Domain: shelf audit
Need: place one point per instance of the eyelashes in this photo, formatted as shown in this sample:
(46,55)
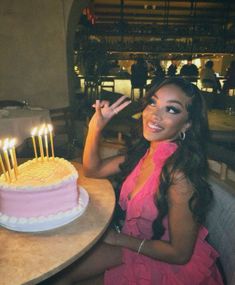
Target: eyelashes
(173,110)
(169,108)
(151,102)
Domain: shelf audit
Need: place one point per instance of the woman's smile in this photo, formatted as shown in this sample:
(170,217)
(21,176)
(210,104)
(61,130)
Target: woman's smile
(166,115)
(154,127)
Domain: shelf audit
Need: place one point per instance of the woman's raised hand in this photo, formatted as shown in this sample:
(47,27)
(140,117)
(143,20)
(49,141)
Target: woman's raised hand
(105,111)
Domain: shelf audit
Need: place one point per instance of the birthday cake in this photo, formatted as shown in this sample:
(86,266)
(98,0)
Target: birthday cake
(44,196)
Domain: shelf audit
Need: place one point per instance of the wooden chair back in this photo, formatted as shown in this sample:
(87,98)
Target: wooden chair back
(63,130)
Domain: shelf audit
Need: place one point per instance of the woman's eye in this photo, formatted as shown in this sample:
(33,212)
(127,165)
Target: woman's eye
(152,102)
(172,110)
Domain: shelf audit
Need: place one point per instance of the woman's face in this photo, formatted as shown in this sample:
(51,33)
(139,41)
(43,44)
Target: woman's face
(166,114)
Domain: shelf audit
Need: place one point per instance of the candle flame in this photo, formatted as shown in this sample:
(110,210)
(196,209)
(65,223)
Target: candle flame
(45,131)
(33,133)
(41,131)
(6,144)
(50,128)
(11,143)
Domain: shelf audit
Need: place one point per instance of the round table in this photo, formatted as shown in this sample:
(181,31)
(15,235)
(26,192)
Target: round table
(28,258)
(19,122)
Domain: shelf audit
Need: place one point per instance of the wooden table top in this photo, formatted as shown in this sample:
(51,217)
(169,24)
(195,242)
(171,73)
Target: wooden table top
(28,258)
(221,121)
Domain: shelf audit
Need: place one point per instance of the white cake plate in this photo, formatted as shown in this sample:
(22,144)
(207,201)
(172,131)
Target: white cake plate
(47,223)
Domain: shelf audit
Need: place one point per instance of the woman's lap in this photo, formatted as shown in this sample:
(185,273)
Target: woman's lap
(94,263)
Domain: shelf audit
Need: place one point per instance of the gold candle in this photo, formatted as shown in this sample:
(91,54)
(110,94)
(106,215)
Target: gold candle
(5,147)
(3,168)
(51,140)
(46,143)
(34,143)
(40,144)
(2,164)
(13,163)
(14,155)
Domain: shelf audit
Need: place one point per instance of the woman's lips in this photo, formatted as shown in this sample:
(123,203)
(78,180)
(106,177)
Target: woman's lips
(154,127)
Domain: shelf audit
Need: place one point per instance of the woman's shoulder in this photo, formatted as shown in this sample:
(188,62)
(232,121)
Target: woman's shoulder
(181,189)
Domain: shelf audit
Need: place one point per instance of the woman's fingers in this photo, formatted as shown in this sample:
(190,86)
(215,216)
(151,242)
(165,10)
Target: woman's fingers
(118,102)
(97,106)
(119,105)
(100,103)
(103,107)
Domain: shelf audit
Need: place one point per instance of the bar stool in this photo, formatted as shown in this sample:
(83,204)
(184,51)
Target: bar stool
(91,88)
(108,84)
(140,90)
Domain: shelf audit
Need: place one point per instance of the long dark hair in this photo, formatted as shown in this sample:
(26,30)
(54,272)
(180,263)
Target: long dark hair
(189,158)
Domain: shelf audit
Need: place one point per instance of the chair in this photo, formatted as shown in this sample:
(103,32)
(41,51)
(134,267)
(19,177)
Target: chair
(209,98)
(140,90)
(12,103)
(229,103)
(63,130)
(91,87)
(221,225)
(108,84)
(111,148)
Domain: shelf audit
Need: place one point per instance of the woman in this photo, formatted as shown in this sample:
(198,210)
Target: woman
(164,194)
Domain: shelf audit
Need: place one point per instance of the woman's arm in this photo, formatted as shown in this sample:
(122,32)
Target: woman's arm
(93,165)
(183,230)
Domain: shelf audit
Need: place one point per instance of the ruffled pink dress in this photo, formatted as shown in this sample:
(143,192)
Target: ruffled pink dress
(141,211)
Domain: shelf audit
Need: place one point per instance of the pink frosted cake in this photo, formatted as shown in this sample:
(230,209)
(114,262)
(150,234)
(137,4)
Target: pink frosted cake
(44,196)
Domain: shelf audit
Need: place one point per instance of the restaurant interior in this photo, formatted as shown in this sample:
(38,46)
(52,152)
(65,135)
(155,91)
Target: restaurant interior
(58,57)
(102,40)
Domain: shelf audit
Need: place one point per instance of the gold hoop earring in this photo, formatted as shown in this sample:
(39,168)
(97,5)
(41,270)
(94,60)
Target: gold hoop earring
(182,135)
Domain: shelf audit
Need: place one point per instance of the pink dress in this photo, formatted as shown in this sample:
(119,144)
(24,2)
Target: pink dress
(141,211)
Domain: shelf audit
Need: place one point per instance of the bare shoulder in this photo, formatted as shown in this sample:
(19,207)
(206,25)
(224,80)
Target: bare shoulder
(181,189)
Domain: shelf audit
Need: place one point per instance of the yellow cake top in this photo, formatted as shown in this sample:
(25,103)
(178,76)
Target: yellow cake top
(35,173)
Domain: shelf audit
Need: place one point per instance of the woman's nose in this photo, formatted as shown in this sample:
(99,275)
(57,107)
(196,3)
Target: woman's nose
(157,113)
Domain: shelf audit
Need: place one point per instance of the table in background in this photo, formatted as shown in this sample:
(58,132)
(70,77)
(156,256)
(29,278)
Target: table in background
(28,258)
(221,121)
(19,122)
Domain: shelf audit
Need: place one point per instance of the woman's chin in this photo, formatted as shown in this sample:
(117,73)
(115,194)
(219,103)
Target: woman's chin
(152,137)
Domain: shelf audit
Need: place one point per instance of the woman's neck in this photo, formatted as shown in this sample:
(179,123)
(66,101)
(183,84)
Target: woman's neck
(154,145)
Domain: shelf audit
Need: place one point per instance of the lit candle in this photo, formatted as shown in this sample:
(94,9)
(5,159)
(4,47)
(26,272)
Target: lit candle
(5,147)
(2,165)
(46,142)
(33,133)
(13,162)
(40,143)
(50,128)
(14,154)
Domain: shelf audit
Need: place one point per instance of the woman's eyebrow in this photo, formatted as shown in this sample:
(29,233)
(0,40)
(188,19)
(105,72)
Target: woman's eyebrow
(171,101)
(176,101)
